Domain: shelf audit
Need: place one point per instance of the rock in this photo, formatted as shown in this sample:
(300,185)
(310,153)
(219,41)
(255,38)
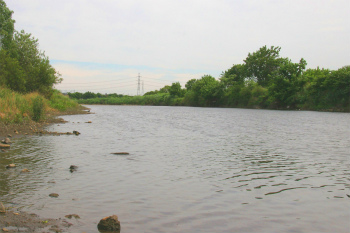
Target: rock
(9,135)
(6,141)
(110,223)
(76,132)
(73,168)
(25,170)
(121,153)
(53,195)
(15,131)
(72,216)
(4,146)
(11,165)
(89,122)
(5,229)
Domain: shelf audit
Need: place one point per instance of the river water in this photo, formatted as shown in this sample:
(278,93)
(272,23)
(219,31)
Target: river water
(189,170)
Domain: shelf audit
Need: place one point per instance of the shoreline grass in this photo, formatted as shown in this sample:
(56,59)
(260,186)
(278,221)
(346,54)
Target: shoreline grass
(17,108)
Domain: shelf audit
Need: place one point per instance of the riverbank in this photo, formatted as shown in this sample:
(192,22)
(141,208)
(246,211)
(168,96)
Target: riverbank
(31,127)
(11,221)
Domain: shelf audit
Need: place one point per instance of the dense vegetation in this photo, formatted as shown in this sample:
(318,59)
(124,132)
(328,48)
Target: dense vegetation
(263,80)
(26,76)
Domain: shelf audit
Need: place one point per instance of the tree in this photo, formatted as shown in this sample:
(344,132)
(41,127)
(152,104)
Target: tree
(189,84)
(176,90)
(6,25)
(11,73)
(262,63)
(286,83)
(39,74)
(237,74)
(207,91)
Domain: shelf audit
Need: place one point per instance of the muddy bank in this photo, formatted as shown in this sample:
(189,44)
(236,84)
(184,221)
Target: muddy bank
(12,221)
(32,127)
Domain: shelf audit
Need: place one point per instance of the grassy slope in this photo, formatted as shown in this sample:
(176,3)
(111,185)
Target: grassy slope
(18,108)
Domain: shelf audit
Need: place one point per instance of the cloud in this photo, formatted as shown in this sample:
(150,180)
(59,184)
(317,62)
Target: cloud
(204,35)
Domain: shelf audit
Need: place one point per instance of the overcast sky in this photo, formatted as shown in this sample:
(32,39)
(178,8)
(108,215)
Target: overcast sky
(102,45)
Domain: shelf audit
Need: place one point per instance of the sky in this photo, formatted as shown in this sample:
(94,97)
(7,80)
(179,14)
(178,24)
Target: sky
(105,45)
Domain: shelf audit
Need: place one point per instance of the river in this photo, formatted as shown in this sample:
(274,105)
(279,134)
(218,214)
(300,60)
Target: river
(189,170)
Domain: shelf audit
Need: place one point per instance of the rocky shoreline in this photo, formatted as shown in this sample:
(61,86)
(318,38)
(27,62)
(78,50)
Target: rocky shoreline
(11,221)
(18,221)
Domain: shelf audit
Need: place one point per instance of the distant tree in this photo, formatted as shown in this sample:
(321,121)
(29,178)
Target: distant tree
(207,91)
(286,83)
(89,95)
(262,63)
(164,89)
(189,84)
(237,74)
(176,90)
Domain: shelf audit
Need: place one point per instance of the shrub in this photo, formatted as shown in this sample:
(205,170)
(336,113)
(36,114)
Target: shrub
(38,108)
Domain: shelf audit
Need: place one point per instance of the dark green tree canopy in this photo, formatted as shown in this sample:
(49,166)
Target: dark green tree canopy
(6,25)
(260,64)
(23,68)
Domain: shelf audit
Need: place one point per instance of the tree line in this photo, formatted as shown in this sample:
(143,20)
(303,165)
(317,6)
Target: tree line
(23,67)
(263,80)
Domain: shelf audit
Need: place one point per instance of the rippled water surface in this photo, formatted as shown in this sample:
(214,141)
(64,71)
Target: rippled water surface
(189,170)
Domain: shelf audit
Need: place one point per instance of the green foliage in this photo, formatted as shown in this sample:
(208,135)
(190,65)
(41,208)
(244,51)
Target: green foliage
(62,103)
(6,25)
(11,73)
(91,95)
(325,89)
(23,67)
(262,63)
(205,92)
(175,90)
(38,108)
(237,74)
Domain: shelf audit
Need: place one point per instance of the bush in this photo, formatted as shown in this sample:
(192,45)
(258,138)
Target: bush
(38,108)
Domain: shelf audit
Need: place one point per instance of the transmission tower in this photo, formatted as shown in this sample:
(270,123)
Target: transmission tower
(138,84)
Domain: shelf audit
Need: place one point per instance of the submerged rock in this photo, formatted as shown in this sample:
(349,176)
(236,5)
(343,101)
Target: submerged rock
(73,168)
(12,165)
(53,195)
(121,153)
(25,170)
(76,132)
(72,216)
(110,223)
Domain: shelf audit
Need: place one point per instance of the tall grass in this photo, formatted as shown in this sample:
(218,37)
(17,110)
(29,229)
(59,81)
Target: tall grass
(21,108)
(61,102)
